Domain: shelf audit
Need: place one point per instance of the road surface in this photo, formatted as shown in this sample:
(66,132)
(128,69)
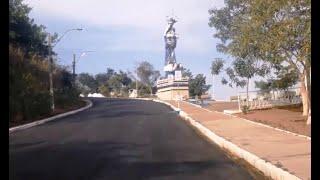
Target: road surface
(118,139)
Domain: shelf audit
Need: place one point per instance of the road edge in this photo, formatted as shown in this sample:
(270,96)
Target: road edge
(35,123)
(267,168)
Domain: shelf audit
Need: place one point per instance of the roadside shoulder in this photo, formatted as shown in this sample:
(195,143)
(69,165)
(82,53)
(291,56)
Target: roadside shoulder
(253,122)
(35,123)
(267,168)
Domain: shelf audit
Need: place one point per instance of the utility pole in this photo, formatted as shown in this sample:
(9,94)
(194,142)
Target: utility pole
(74,68)
(50,74)
(51,63)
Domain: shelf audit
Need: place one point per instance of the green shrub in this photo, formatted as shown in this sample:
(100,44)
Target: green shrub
(66,97)
(104,90)
(36,104)
(245,109)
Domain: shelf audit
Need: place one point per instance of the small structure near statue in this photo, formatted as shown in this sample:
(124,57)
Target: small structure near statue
(173,86)
(133,93)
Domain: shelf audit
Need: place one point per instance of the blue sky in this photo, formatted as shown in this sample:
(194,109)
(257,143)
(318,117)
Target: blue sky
(124,32)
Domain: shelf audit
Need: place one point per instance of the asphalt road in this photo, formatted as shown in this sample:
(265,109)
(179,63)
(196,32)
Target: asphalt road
(118,139)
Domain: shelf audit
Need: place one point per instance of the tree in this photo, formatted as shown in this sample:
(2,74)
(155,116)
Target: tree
(85,90)
(115,83)
(24,33)
(155,76)
(124,78)
(104,90)
(216,67)
(248,68)
(88,80)
(101,78)
(274,31)
(65,92)
(147,74)
(197,86)
(286,78)
(241,71)
(28,68)
(264,86)
(119,83)
(186,73)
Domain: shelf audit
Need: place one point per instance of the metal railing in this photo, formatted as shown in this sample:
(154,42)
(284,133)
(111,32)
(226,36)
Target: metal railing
(263,100)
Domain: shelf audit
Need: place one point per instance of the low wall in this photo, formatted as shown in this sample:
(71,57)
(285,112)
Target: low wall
(173,93)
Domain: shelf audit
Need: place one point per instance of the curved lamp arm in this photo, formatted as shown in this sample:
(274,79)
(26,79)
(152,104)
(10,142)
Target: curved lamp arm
(77,29)
(82,53)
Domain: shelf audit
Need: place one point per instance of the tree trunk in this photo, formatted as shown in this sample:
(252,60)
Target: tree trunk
(212,87)
(309,117)
(274,96)
(308,85)
(304,96)
(247,92)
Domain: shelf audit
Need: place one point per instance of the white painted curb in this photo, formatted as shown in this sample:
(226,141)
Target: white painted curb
(29,125)
(144,99)
(253,122)
(230,111)
(267,168)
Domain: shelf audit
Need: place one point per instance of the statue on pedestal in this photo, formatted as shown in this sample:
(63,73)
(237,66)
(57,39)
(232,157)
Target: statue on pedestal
(173,86)
(170,39)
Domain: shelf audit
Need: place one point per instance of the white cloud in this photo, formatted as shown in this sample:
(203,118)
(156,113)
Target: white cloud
(137,13)
(145,17)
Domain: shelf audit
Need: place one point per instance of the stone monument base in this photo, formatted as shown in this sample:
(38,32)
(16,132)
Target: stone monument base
(173,89)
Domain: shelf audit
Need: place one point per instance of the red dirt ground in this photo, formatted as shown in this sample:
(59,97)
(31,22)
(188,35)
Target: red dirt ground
(220,106)
(287,118)
(282,119)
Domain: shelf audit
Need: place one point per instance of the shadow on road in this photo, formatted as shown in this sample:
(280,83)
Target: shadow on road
(118,139)
(105,160)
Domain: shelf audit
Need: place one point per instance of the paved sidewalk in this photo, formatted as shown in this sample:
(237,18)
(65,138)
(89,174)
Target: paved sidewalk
(289,152)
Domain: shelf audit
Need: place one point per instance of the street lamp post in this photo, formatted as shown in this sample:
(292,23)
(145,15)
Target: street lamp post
(74,64)
(51,64)
(74,68)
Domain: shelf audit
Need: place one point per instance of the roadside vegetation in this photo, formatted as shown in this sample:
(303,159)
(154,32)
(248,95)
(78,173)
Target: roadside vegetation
(197,84)
(29,97)
(143,79)
(117,84)
(266,38)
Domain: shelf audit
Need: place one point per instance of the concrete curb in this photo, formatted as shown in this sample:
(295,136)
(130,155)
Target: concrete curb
(196,105)
(168,104)
(231,111)
(32,124)
(146,99)
(253,122)
(267,168)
